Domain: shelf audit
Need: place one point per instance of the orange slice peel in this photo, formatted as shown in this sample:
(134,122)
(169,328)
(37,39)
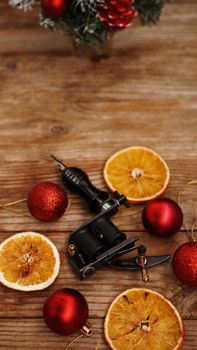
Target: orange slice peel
(28,261)
(138,172)
(143,319)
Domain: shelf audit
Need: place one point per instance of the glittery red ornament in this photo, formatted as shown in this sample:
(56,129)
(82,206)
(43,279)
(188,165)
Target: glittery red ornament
(162,217)
(117,14)
(65,311)
(47,201)
(54,8)
(184,263)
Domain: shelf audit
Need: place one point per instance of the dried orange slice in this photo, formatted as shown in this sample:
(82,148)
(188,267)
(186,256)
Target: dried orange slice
(137,172)
(141,319)
(28,261)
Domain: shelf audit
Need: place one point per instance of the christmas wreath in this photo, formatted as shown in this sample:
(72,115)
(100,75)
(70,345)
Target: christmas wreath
(92,21)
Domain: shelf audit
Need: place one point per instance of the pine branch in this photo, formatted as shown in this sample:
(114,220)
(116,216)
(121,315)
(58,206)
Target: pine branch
(84,24)
(149,10)
(80,22)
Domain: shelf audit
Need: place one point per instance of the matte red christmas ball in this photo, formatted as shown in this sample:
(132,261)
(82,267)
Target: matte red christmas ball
(184,263)
(54,8)
(162,217)
(47,201)
(65,311)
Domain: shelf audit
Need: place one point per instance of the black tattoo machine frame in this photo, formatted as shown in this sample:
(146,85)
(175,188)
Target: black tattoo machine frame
(98,243)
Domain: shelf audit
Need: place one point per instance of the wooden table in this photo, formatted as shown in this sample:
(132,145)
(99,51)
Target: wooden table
(83,110)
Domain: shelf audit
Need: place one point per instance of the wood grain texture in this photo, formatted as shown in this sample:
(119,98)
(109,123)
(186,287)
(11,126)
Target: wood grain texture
(32,334)
(83,109)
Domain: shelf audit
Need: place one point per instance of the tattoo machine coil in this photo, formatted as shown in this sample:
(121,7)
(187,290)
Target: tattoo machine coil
(99,243)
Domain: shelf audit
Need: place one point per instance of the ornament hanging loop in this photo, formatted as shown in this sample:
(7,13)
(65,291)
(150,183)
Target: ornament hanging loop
(190,231)
(9,204)
(86,331)
(73,341)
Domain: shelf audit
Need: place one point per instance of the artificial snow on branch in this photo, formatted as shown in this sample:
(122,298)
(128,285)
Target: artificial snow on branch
(22,4)
(46,22)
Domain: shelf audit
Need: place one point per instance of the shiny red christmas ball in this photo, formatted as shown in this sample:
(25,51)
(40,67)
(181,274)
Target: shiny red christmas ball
(184,263)
(162,217)
(47,201)
(65,311)
(54,8)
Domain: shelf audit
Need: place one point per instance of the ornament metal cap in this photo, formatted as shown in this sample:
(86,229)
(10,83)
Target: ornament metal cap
(87,329)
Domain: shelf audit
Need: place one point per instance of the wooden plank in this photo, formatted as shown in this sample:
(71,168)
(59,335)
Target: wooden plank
(18,304)
(13,18)
(32,333)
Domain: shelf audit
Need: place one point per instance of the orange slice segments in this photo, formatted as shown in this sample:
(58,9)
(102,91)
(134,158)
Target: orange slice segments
(28,261)
(142,319)
(137,172)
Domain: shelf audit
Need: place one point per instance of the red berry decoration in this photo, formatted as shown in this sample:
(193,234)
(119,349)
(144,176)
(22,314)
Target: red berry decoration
(117,14)
(54,8)
(184,263)
(47,201)
(162,217)
(65,311)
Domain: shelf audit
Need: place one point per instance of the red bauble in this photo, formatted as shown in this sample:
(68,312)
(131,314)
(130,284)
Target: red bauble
(162,217)
(184,263)
(117,14)
(47,201)
(65,311)
(54,8)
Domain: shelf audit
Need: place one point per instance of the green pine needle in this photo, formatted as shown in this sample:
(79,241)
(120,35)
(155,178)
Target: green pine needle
(149,10)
